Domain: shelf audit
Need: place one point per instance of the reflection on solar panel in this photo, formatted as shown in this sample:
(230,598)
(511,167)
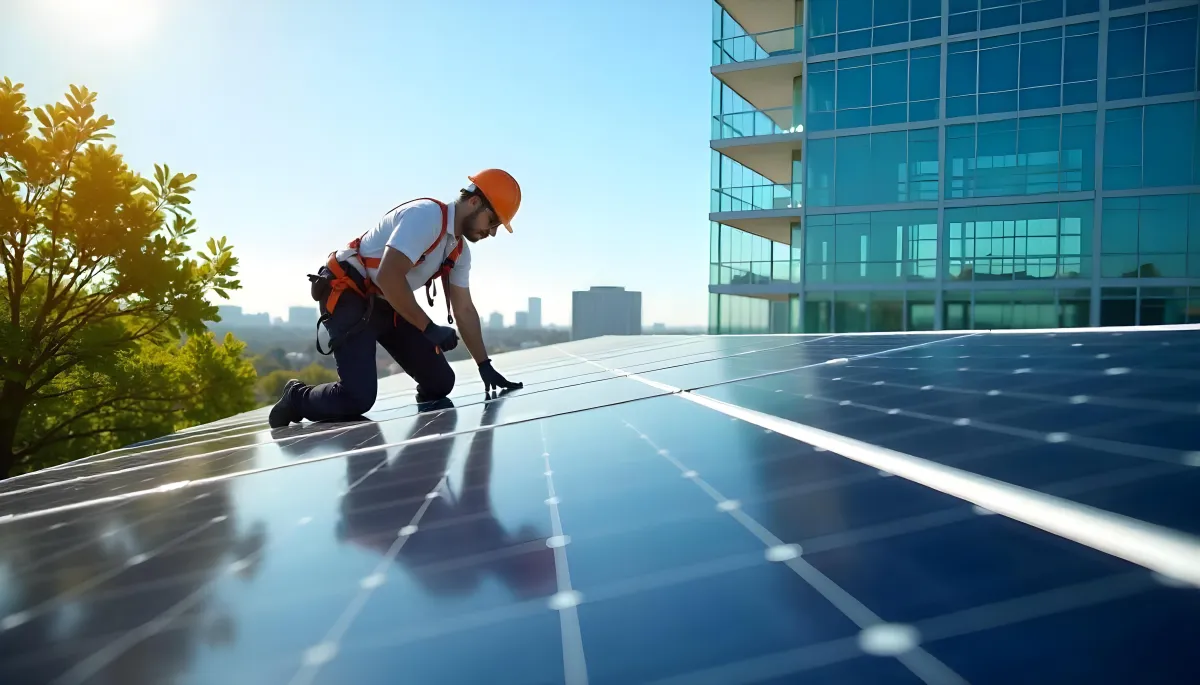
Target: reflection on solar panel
(937,508)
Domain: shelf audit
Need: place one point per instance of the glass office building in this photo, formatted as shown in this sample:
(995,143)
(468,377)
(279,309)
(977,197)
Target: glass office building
(886,165)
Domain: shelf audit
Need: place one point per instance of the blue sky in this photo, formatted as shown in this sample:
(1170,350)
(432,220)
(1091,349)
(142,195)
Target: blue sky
(306,120)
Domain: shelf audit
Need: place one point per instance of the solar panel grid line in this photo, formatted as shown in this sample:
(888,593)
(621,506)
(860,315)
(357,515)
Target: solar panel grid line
(1024,410)
(1110,371)
(1173,407)
(567,599)
(1110,446)
(922,664)
(83,670)
(326,650)
(836,360)
(1050,332)
(1167,551)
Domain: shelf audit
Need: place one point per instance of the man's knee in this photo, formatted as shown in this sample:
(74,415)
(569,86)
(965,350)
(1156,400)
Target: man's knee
(437,383)
(361,398)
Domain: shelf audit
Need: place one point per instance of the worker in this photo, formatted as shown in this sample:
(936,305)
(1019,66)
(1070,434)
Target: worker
(365,294)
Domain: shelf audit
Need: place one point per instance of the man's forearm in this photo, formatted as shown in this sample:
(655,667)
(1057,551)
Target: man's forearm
(471,333)
(405,304)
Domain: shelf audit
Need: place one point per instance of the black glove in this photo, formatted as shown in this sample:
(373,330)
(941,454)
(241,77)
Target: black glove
(492,378)
(443,337)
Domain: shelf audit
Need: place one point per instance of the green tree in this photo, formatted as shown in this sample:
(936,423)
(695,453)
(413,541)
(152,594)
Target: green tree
(98,291)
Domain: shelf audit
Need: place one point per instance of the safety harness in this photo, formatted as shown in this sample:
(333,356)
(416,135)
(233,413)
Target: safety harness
(344,277)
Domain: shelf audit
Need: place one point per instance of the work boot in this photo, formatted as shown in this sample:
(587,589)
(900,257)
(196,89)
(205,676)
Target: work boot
(286,410)
(435,405)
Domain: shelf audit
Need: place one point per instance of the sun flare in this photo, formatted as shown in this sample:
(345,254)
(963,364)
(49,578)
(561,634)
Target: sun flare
(105,21)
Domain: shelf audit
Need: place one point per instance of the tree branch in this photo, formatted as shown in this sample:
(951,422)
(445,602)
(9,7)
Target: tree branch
(48,435)
(43,444)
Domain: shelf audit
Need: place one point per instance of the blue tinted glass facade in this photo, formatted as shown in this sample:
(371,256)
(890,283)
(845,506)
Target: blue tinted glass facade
(1009,163)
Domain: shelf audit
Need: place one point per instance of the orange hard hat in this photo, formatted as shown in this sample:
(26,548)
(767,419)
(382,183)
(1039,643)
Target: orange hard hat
(501,191)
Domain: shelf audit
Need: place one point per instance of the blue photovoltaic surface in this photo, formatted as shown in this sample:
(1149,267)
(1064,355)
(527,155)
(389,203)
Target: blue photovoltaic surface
(602,525)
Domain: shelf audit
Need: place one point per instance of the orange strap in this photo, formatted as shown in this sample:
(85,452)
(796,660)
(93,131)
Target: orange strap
(341,281)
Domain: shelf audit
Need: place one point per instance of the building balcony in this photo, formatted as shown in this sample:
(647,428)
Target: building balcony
(758,16)
(757,273)
(765,210)
(759,46)
(763,140)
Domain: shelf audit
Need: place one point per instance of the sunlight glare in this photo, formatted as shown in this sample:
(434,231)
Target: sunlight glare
(110,22)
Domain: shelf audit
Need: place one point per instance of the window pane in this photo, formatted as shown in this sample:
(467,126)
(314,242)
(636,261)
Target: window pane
(890,12)
(960,73)
(992,103)
(1041,10)
(1170,82)
(820,101)
(1082,7)
(822,17)
(961,106)
(1041,62)
(855,40)
(1079,63)
(853,14)
(1125,52)
(924,79)
(890,35)
(888,160)
(854,88)
(923,9)
(1168,148)
(926,28)
(1171,46)
(1120,229)
(1163,224)
(998,69)
(1125,88)
(818,186)
(1001,16)
(1123,149)
(923,111)
(853,159)
(889,114)
(889,83)
(1079,93)
(963,23)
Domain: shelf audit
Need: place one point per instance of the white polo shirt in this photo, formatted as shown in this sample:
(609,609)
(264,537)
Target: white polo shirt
(412,228)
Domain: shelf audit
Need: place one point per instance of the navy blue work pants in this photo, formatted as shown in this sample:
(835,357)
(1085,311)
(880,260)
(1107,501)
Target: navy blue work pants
(354,393)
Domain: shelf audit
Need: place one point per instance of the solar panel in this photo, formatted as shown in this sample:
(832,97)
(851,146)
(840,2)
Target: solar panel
(942,508)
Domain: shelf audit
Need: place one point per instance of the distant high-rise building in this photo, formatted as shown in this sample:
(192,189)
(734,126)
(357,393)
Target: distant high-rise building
(496,321)
(522,320)
(535,312)
(659,328)
(605,310)
(231,315)
(302,316)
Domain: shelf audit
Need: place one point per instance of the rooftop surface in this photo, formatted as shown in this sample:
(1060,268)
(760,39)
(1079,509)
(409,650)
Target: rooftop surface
(897,508)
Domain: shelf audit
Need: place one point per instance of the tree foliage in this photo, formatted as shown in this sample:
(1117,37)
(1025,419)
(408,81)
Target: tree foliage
(100,286)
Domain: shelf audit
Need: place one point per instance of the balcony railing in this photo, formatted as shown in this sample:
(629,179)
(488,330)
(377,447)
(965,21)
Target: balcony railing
(756,122)
(751,198)
(755,273)
(756,46)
